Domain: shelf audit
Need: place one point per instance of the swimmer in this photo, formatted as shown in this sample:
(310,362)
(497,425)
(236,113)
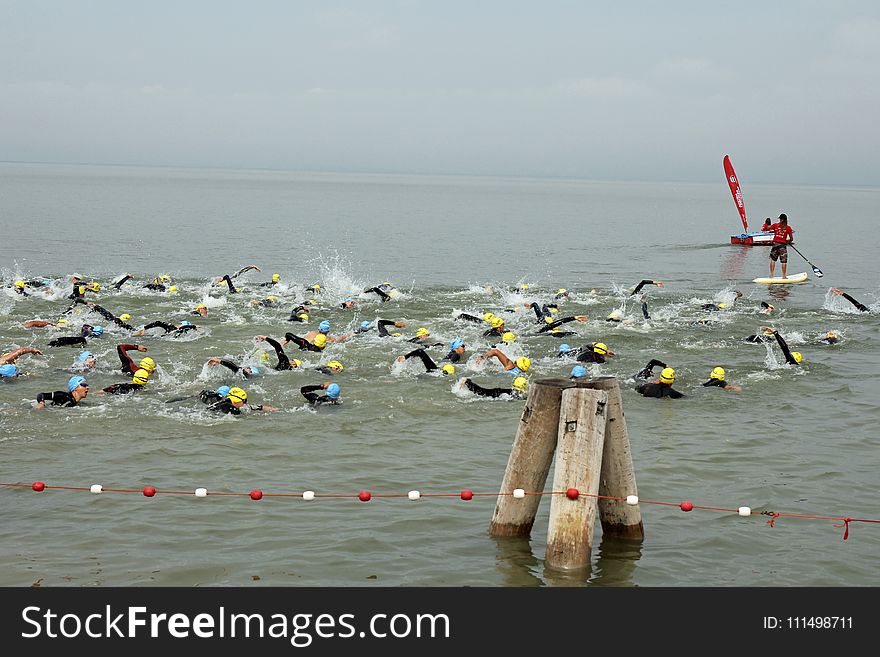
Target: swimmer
(333,367)
(347,303)
(138,380)
(331,395)
(767,308)
(247,372)
(643,283)
(516,368)
(128,365)
(228,279)
(106,314)
(318,344)
(118,284)
(79,290)
(276,280)
(423,337)
(299,314)
(430,365)
(19,288)
(595,352)
(562,293)
(175,329)
(559,322)
(87,331)
(564,350)
(616,316)
(516,391)
(456,351)
(508,337)
(9,372)
(315,288)
(766,335)
(383,325)
(200,309)
(41,323)
(77,390)
(384,291)
(85,361)
(720,306)
(540,313)
(578,372)
(661,387)
(284,363)
(791,357)
(158,283)
(324,329)
(235,400)
(465,317)
(860,306)
(497,328)
(831,337)
(717,380)
(268,302)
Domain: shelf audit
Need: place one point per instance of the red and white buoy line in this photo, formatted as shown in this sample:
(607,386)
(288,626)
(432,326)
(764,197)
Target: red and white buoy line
(466,495)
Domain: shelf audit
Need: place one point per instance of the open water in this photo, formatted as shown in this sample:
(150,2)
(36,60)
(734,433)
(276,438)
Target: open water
(795,440)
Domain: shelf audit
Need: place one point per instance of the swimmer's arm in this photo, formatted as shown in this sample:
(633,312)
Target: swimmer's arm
(429,364)
(10,357)
(227,364)
(785,350)
(486,392)
(309,392)
(245,269)
(643,283)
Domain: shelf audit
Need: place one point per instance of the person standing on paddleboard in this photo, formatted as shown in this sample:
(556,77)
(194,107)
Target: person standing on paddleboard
(783,235)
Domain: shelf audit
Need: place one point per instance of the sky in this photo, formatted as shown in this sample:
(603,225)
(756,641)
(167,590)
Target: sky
(588,90)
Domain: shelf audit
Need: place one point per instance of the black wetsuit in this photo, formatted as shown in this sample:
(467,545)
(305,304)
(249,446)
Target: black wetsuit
(155,285)
(648,371)
(209,396)
(302,343)
(716,383)
(106,314)
(658,390)
(558,322)
(494,332)
(228,281)
(73,340)
(862,307)
(299,310)
(310,393)
(785,350)
(488,392)
(587,355)
(382,293)
(540,314)
(118,284)
(469,318)
(711,307)
(283,360)
(225,406)
(170,328)
(383,325)
(57,398)
(758,339)
(429,364)
(235,368)
(453,356)
(642,284)
(122,388)
(21,292)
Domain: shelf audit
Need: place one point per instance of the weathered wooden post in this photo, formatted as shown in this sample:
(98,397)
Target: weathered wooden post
(529,460)
(618,477)
(578,462)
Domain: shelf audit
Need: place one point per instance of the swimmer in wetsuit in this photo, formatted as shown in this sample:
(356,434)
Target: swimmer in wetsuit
(456,351)
(648,370)
(247,372)
(138,381)
(660,387)
(87,331)
(284,363)
(276,280)
(791,357)
(594,352)
(831,337)
(332,367)
(643,283)
(717,380)
(465,317)
(77,390)
(559,322)
(430,365)
(859,306)
(235,400)
(320,341)
(517,391)
(384,290)
(423,337)
(331,396)
(720,306)
(175,329)
(268,302)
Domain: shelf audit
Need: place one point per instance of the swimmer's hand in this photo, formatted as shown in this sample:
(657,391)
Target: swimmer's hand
(400,359)
(581,318)
(141,347)
(213,361)
(260,338)
(837,290)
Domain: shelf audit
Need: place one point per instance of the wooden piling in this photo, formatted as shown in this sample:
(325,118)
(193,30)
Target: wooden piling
(530,459)
(618,478)
(580,443)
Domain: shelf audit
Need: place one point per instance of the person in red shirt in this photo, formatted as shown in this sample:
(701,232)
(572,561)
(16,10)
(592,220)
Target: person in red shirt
(783,235)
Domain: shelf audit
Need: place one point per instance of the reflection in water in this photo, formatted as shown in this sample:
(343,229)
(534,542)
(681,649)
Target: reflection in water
(515,561)
(731,266)
(780,292)
(616,562)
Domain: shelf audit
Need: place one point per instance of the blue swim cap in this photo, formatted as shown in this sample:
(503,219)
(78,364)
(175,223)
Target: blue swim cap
(347,300)
(256,371)
(365,325)
(455,344)
(564,348)
(84,356)
(223,391)
(324,326)
(185,323)
(74,381)
(97,330)
(578,371)
(8,370)
(333,391)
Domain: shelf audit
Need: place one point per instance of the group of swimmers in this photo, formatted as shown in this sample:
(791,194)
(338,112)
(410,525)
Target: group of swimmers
(233,399)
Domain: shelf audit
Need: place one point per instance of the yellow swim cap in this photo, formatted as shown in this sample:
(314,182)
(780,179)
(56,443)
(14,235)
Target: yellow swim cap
(497,322)
(508,337)
(600,348)
(335,365)
(61,322)
(317,286)
(172,289)
(276,278)
(296,362)
(798,357)
(524,286)
(94,286)
(200,306)
(20,285)
(141,377)
(614,315)
(447,369)
(548,320)
(303,316)
(124,317)
(487,317)
(308,302)
(395,335)
(722,305)
(667,375)
(561,290)
(320,341)
(164,278)
(271,298)
(147,363)
(523,363)
(422,332)
(831,334)
(236,395)
(717,374)
(519,383)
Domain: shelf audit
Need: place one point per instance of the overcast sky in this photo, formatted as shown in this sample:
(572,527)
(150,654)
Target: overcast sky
(606,91)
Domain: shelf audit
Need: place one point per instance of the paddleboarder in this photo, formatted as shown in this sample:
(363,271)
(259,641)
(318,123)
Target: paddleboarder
(783,235)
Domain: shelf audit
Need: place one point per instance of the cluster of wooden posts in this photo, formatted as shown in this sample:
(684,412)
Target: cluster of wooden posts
(583,423)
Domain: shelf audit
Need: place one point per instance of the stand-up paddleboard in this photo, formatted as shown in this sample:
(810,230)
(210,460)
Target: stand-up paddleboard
(796,278)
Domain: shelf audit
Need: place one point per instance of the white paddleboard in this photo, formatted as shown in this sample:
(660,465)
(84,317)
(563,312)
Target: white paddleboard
(796,278)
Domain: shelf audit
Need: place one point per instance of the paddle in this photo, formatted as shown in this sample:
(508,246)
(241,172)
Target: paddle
(816,270)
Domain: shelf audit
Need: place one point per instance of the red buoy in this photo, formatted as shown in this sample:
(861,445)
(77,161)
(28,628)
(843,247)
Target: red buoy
(364,496)
(256,495)
(467,495)
(572,493)
(38,486)
(149,491)
(687,506)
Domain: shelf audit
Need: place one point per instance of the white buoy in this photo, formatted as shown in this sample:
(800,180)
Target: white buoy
(96,488)
(632,500)
(745,511)
(308,495)
(201,492)
(519,493)
(414,495)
